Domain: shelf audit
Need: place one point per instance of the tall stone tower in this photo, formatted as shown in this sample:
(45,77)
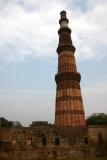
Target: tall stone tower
(69,105)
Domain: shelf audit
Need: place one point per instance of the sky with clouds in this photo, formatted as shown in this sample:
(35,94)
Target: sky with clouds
(28,58)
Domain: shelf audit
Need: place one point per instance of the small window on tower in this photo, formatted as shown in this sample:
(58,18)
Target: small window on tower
(57,141)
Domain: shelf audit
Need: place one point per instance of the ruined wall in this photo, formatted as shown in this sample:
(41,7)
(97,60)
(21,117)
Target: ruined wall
(97,136)
(50,142)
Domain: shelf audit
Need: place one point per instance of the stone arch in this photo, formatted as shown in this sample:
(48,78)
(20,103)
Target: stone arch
(100,138)
(86,140)
(57,140)
(44,139)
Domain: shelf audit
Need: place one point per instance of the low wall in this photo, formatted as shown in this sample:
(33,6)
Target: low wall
(50,142)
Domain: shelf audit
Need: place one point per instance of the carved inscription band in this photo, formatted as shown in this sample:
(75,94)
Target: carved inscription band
(65,48)
(68,84)
(64,29)
(68,76)
(69,98)
(74,112)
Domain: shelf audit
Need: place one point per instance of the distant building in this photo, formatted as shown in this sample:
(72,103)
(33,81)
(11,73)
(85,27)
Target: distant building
(16,124)
(39,123)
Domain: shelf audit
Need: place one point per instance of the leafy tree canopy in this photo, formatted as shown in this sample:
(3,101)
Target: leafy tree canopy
(5,123)
(97,119)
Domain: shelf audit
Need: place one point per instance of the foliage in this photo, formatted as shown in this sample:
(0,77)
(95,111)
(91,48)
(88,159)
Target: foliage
(5,123)
(97,119)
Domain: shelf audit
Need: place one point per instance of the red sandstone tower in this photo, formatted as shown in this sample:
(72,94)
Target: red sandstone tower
(69,105)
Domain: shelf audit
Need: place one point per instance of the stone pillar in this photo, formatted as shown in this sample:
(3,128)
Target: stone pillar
(69,105)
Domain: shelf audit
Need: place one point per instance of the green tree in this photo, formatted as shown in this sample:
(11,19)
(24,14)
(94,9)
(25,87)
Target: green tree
(5,123)
(97,119)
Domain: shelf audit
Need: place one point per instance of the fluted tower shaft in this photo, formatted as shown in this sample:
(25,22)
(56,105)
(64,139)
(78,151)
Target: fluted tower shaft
(69,104)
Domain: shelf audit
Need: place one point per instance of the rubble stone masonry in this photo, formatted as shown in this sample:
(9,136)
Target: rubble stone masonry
(49,143)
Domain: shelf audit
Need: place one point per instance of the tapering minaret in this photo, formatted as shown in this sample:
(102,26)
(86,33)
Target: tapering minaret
(69,105)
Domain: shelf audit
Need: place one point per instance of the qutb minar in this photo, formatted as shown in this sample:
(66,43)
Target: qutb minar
(69,103)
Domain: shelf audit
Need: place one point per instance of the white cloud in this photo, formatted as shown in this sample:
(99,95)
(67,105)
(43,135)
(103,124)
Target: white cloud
(30,28)
(90,32)
(23,32)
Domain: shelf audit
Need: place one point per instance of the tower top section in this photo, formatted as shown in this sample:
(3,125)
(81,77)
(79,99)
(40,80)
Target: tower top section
(65,41)
(63,19)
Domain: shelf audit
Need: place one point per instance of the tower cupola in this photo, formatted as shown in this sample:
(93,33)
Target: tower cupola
(63,20)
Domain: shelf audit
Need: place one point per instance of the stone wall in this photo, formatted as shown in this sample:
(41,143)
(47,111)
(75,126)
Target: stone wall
(51,143)
(97,137)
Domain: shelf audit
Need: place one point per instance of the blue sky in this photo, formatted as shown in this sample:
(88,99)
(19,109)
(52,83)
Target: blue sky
(28,58)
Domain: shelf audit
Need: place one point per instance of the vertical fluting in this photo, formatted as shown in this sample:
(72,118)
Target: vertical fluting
(69,105)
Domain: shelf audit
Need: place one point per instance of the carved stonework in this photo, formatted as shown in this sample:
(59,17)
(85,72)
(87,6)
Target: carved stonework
(69,105)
